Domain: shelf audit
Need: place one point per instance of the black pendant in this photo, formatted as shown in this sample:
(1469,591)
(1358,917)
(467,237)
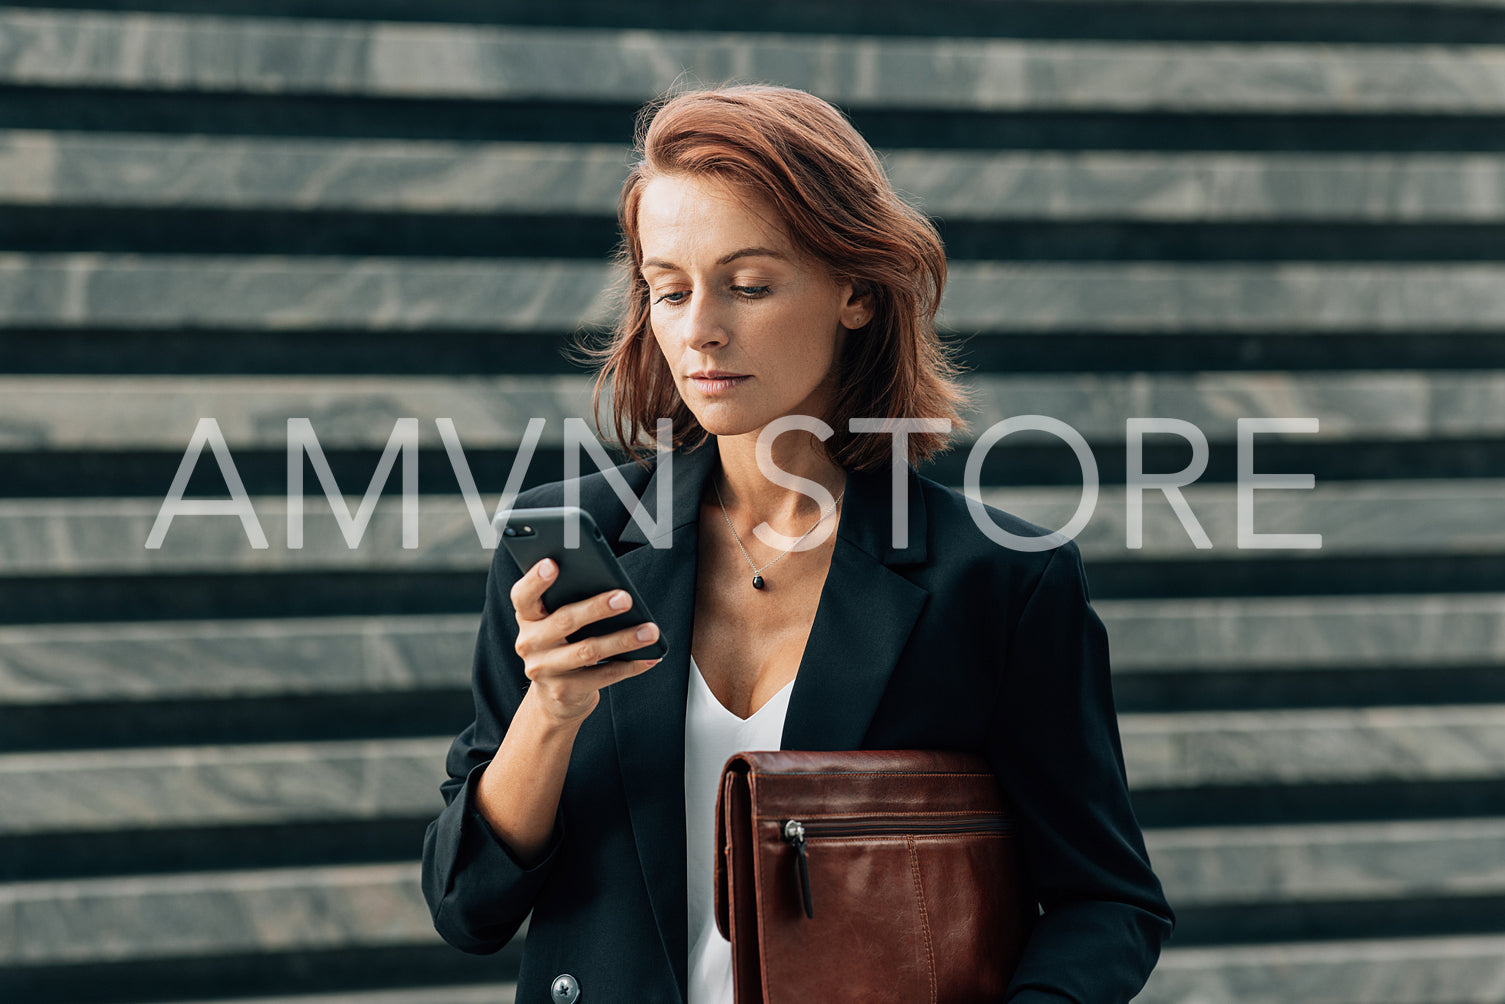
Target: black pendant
(757,582)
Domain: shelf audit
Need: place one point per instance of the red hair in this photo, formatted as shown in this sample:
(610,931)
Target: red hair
(825,182)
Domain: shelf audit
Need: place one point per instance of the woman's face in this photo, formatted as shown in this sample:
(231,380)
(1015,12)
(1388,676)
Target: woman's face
(730,295)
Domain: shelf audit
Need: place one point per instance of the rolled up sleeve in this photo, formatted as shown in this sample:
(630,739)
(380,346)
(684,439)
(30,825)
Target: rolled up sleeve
(477,890)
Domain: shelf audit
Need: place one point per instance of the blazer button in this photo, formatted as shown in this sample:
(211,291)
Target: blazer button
(565,990)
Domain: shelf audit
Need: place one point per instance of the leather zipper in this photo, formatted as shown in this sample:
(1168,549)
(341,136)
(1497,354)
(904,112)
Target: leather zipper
(796,832)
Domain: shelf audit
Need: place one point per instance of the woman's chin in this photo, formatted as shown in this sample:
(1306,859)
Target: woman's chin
(722,421)
(725,419)
(723,429)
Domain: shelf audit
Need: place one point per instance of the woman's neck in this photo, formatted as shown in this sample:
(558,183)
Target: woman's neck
(751,497)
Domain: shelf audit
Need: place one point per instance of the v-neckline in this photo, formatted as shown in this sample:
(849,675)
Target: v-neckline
(706,687)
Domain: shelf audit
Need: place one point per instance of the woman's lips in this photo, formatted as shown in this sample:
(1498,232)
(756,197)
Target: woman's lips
(717,385)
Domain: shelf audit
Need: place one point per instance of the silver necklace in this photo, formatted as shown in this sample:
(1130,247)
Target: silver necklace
(757,572)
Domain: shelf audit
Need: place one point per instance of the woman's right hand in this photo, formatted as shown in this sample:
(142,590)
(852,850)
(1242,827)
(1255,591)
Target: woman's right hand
(565,678)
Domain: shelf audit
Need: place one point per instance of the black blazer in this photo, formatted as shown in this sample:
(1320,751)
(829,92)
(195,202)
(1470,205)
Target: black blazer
(948,642)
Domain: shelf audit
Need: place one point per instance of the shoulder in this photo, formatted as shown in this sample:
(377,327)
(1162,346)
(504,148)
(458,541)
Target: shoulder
(962,543)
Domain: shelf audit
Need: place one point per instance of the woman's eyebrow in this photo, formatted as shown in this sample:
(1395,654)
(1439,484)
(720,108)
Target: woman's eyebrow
(755,252)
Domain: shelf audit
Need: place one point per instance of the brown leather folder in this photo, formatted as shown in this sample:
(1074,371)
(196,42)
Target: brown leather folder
(886,875)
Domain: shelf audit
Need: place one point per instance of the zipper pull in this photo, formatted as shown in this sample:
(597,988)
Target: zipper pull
(794,832)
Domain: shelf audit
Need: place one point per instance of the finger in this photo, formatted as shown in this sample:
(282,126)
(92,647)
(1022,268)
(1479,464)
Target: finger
(587,653)
(527,592)
(573,616)
(607,673)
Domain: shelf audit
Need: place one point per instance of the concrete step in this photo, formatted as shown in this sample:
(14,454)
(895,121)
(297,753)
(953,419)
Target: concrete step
(418,61)
(1198,187)
(267,783)
(1302,747)
(1353,518)
(161,412)
(1352,861)
(225,785)
(74,290)
(1420,632)
(90,921)
(1384,21)
(109,537)
(216,660)
(101,920)
(208,660)
(104,169)
(1226,299)
(67,537)
(545,295)
(1464,970)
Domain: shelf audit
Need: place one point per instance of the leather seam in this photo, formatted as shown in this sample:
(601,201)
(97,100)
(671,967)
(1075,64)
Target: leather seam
(760,919)
(919,888)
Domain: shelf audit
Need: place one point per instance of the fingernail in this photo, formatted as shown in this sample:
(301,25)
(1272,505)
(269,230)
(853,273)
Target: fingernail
(546,569)
(620,601)
(655,662)
(645,633)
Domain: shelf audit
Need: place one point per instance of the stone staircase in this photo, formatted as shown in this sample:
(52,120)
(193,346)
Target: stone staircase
(217,761)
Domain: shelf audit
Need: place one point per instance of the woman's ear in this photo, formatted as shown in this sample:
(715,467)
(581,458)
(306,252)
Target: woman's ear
(858,309)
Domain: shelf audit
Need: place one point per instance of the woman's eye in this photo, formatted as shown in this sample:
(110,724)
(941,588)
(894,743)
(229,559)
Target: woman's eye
(751,292)
(674,297)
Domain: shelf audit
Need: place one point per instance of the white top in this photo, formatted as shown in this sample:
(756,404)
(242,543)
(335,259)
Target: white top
(712,735)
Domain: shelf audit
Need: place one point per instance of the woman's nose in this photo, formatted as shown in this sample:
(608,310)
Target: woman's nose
(704,322)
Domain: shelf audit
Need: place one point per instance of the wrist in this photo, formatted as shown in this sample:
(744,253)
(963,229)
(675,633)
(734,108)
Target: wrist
(546,722)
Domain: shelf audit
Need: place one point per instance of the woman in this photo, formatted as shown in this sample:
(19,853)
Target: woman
(773,274)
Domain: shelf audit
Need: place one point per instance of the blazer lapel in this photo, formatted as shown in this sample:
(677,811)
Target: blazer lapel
(864,617)
(648,710)
(866,613)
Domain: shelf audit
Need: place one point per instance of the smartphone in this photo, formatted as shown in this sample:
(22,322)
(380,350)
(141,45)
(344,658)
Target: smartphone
(531,535)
